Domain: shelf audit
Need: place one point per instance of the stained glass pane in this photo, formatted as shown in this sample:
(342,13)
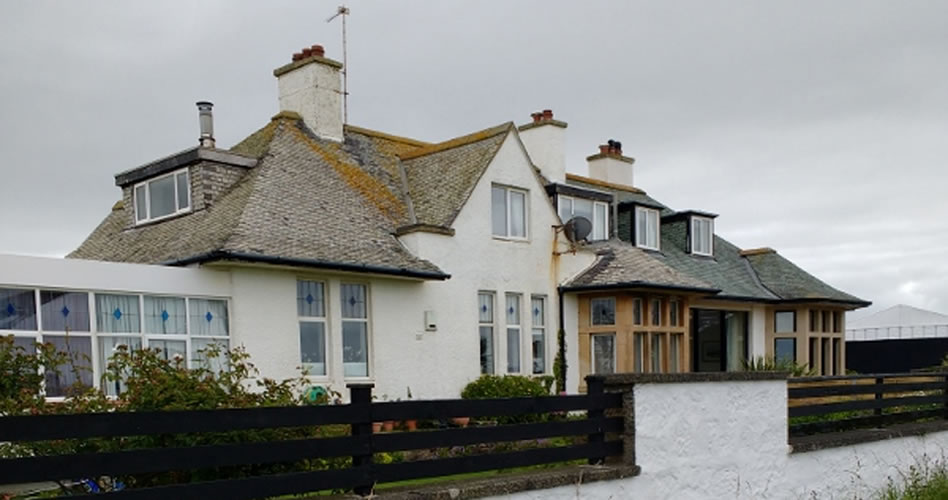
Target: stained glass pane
(161,197)
(60,379)
(485,307)
(603,311)
(208,317)
(17,309)
(166,315)
(65,310)
(313,347)
(538,306)
(310,299)
(353,301)
(513,309)
(117,313)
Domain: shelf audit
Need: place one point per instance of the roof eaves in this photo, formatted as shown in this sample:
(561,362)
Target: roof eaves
(222,255)
(424,228)
(637,284)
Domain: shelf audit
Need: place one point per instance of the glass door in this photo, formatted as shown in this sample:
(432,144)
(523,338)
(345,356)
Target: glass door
(719,340)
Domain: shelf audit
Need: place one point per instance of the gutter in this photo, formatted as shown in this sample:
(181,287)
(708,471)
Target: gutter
(738,298)
(319,264)
(636,284)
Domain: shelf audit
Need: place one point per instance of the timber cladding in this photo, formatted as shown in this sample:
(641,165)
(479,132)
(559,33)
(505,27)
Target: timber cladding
(819,335)
(649,332)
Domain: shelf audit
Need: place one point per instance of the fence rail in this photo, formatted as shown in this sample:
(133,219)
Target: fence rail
(361,444)
(831,404)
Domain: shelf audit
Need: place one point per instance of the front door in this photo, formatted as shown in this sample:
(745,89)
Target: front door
(719,340)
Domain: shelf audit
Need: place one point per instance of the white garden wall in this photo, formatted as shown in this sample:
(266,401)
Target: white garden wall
(711,440)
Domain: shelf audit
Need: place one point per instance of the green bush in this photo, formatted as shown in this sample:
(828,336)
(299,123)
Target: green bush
(764,364)
(507,386)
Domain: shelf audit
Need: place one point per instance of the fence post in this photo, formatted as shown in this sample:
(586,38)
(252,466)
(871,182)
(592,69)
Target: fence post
(945,397)
(595,386)
(360,396)
(879,394)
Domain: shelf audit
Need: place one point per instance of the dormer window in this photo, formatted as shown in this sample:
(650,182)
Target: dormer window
(596,211)
(702,236)
(646,228)
(162,197)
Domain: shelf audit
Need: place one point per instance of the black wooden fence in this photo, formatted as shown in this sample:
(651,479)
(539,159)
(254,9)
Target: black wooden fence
(361,445)
(832,404)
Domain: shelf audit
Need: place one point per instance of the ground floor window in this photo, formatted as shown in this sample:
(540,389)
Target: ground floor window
(513,332)
(485,314)
(603,353)
(719,340)
(785,350)
(355,330)
(538,339)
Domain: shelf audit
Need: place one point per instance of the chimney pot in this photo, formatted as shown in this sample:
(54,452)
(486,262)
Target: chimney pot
(318,50)
(536,116)
(547,114)
(307,52)
(297,56)
(206,121)
(604,149)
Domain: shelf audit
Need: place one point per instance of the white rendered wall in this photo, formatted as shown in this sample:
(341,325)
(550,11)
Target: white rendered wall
(729,440)
(546,145)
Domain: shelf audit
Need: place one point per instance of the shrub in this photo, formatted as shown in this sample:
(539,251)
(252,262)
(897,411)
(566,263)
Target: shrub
(765,364)
(507,386)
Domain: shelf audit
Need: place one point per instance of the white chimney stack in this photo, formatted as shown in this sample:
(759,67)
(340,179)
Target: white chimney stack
(610,166)
(545,140)
(206,122)
(311,86)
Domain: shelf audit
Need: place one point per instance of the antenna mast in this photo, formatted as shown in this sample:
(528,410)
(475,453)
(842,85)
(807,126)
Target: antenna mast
(344,12)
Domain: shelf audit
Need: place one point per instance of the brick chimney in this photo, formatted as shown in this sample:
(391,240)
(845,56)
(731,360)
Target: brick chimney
(311,85)
(545,140)
(610,165)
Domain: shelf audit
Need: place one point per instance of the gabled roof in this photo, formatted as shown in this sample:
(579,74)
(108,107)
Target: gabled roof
(441,177)
(620,264)
(307,202)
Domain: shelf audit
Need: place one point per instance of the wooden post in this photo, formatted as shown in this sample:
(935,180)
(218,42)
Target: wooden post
(879,394)
(945,397)
(360,396)
(595,386)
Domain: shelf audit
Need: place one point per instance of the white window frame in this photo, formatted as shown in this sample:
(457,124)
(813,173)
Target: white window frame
(518,326)
(595,204)
(492,324)
(592,351)
(696,246)
(369,365)
(177,197)
(541,328)
(650,214)
(326,333)
(509,214)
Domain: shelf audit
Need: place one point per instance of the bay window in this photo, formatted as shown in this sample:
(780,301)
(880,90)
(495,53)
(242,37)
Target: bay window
(603,353)
(162,196)
(508,212)
(646,228)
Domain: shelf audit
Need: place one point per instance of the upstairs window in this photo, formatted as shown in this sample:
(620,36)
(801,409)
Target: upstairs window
(702,236)
(596,211)
(162,197)
(646,228)
(508,212)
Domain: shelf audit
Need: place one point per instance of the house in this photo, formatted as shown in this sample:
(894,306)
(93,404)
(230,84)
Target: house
(898,339)
(365,256)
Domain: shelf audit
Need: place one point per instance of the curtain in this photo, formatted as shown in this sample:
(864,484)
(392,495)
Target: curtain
(165,315)
(169,350)
(735,324)
(208,318)
(200,360)
(310,299)
(485,307)
(353,301)
(539,333)
(17,309)
(513,350)
(80,351)
(518,214)
(117,313)
(355,349)
(65,310)
(108,346)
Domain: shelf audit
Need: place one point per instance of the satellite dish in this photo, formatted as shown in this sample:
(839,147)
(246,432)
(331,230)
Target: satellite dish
(577,228)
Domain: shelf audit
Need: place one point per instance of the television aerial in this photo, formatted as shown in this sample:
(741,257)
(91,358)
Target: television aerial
(343,11)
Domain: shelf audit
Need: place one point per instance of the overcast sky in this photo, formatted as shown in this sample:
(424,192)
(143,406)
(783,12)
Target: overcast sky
(817,128)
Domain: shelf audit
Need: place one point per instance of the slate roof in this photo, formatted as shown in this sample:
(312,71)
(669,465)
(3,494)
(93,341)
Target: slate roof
(619,264)
(307,202)
(791,283)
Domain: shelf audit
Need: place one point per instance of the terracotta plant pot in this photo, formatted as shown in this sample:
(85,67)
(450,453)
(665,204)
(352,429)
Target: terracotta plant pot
(411,425)
(461,421)
(388,425)
(376,427)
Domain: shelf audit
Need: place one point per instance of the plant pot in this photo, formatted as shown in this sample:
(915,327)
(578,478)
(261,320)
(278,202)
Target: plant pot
(461,421)
(411,425)
(376,427)
(388,425)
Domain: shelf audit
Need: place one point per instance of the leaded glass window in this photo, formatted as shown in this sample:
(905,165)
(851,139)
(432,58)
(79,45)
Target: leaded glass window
(17,309)
(355,330)
(603,310)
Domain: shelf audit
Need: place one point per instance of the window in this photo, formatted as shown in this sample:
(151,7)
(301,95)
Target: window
(702,236)
(827,368)
(603,311)
(539,334)
(814,346)
(785,350)
(596,211)
(162,197)
(785,322)
(311,309)
(674,312)
(209,326)
(355,330)
(638,363)
(657,361)
(485,320)
(17,309)
(513,333)
(837,322)
(656,312)
(603,353)
(814,320)
(62,311)
(837,357)
(646,228)
(826,321)
(508,212)
(674,353)
(637,311)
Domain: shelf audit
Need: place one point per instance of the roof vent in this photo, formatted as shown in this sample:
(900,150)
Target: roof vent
(206,120)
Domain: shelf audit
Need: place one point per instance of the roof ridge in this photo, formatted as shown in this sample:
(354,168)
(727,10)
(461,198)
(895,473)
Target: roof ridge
(463,140)
(757,251)
(391,137)
(597,182)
